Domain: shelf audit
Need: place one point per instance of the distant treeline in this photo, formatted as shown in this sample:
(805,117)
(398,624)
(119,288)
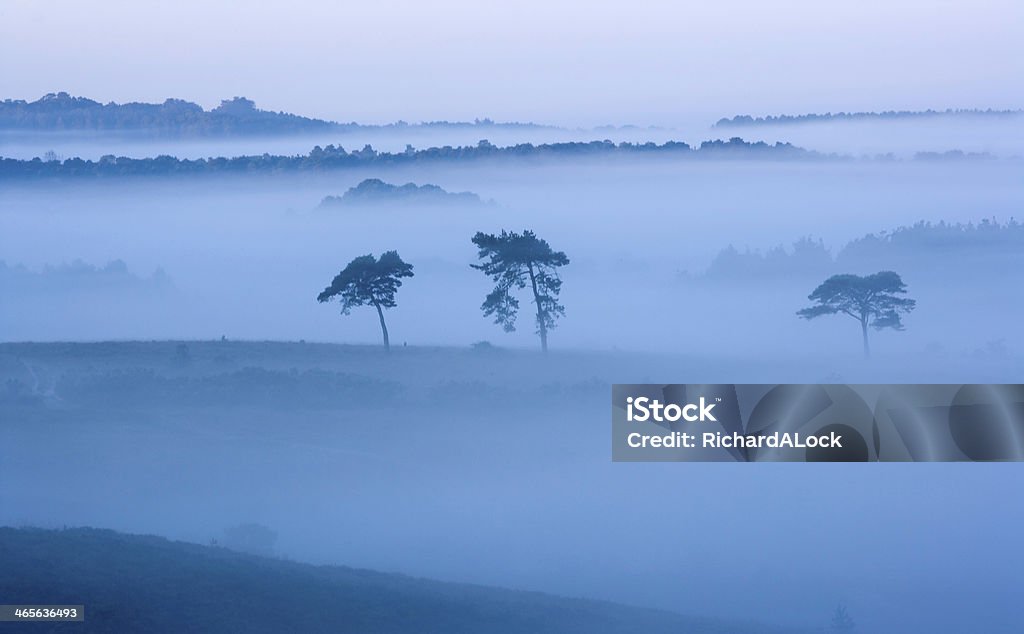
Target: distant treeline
(78,276)
(923,244)
(173,117)
(988,237)
(335,157)
(60,112)
(747,120)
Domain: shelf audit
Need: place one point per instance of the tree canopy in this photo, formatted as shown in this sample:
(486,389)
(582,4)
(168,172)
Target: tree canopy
(873,300)
(513,260)
(369,281)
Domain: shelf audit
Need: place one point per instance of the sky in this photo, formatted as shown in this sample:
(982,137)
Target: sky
(570,62)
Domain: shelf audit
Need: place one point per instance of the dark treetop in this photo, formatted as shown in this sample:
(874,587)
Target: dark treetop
(873,300)
(368,281)
(874,297)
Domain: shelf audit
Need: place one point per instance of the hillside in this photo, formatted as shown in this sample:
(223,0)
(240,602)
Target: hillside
(174,117)
(131,583)
(373,191)
(62,112)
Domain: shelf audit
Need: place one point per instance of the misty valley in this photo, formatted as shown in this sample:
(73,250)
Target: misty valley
(280,369)
(674,254)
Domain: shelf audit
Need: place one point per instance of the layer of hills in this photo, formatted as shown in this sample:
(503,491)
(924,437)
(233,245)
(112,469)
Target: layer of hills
(78,277)
(61,112)
(373,191)
(927,249)
(239,116)
(131,583)
(334,157)
(887,115)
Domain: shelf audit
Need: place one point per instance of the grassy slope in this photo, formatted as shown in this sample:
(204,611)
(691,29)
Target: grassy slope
(132,583)
(42,364)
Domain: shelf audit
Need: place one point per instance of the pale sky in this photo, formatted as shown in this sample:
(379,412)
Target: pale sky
(573,62)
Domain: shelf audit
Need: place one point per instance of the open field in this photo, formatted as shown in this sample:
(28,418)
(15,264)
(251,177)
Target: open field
(492,466)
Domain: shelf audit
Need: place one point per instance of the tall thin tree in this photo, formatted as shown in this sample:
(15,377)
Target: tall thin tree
(513,260)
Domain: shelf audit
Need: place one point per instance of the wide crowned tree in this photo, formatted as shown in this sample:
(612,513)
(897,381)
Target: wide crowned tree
(873,300)
(513,261)
(369,281)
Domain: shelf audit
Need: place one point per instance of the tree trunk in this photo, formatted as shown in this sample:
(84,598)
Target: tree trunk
(864,334)
(541,327)
(383,326)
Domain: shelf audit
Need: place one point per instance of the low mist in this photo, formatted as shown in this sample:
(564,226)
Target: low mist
(465,454)
(245,257)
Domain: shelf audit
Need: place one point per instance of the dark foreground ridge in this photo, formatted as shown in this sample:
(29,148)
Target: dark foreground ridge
(132,583)
(335,157)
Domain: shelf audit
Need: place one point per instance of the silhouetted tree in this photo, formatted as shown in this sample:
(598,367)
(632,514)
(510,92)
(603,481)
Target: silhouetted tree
(872,300)
(514,260)
(842,621)
(368,281)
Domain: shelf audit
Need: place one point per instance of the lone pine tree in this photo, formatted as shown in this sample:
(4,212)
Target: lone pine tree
(873,300)
(368,281)
(513,261)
